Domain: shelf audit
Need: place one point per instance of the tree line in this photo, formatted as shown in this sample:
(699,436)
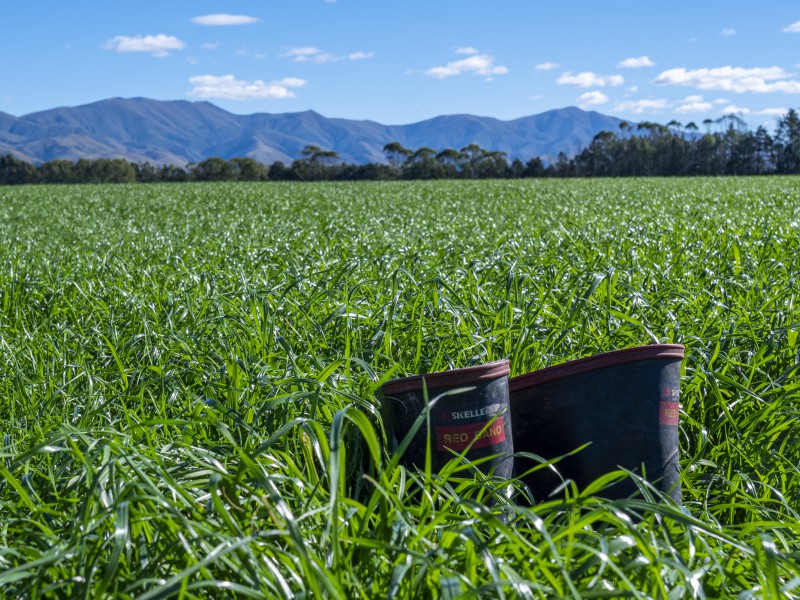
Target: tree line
(723,147)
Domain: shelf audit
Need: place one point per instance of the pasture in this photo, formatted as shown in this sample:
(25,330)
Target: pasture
(188,378)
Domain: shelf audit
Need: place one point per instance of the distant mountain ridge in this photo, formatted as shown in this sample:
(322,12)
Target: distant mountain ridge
(179,132)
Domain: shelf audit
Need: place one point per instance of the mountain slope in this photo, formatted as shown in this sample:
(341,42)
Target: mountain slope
(179,132)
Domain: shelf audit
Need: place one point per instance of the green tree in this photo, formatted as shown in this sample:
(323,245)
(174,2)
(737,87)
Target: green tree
(145,172)
(172,174)
(493,164)
(116,170)
(563,167)
(516,169)
(473,154)
(280,172)
(535,168)
(57,171)
(451,161)
(422,164)
(16,172)
(397,155)
(764,151)
(787,143)
(316,163)
(248,169)
(214,169)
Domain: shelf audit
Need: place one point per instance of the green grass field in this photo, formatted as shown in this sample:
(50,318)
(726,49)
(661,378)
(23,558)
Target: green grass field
(188,381)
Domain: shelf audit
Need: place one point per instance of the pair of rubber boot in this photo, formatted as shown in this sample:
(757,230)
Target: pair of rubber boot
(590,416)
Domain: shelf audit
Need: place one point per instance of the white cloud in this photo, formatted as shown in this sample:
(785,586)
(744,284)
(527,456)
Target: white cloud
(728,32)
(639,107)
(547,66)
(589,79)
(793,28)
(775,112)
(592,99)
(633,89)
(477,64)
(721,101)
(732,109)
(696,104)
(694,107)
(301,54)
(157,45)
(230,88)
(732,79)
(312,54)
(222,20)
(210,46)
(466,50)
(292,82)
(636,63)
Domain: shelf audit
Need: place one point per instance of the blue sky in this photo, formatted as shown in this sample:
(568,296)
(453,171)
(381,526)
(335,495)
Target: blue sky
(402,62)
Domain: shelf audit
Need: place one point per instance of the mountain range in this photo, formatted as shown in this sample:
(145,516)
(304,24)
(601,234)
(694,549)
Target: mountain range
(179,132)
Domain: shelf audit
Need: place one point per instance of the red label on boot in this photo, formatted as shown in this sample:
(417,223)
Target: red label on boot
(458,437)
(668,413)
